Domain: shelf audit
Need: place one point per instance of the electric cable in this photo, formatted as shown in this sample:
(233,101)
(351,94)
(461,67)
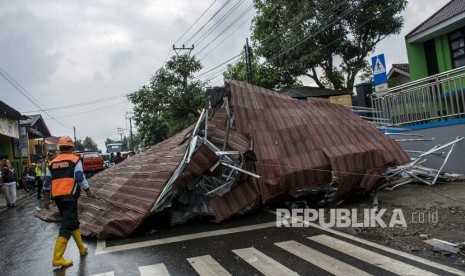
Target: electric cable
(192,25)
(332,42)
(28,96)
(218,65)
(219,22)
(82,103)
(286,49)
(221,42)
(229,26)
(211,18)
(92,110)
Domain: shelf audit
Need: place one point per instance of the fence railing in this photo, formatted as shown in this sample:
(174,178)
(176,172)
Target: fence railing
(432,99)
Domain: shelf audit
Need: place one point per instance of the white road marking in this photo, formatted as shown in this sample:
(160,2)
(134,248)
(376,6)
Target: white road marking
(263,263)
(323,261)
(111,273)
(382,247)
(370,257)
(187,237)
(101,245)
(207,266)
(154,270)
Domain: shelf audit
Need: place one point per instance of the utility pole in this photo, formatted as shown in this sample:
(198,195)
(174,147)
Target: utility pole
(176,49)
(248,60)
(183,48)
(131,139)
(120,132)
(74,130)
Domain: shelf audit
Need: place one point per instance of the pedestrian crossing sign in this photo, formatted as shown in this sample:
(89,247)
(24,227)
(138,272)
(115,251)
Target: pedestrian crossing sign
(379,69)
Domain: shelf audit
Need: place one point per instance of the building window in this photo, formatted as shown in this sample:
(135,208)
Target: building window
(457,48)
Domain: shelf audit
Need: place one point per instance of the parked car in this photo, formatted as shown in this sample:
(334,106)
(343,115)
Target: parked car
(92,162)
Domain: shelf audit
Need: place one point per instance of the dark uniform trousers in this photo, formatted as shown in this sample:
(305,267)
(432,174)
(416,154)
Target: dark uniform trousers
(68,211)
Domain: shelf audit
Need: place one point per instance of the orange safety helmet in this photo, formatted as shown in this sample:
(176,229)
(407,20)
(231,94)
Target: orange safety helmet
(65,141)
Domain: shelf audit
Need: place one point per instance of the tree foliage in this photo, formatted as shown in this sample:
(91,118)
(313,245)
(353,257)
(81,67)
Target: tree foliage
(332,37)
(78,145)
(170,102)
(264,74)
(89,144)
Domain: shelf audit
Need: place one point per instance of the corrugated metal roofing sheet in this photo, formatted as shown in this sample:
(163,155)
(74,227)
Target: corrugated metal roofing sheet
(128,190)
(303,144)
(295,147)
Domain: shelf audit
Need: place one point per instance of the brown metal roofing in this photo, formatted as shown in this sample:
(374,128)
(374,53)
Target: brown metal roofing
(296,148)
(303,144)
(128,190)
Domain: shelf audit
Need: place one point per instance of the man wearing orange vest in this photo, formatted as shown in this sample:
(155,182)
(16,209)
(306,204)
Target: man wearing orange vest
(64,180)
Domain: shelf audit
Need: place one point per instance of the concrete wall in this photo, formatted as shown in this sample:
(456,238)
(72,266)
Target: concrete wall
(417,61)
(344,100)
(443,53)
(442,135)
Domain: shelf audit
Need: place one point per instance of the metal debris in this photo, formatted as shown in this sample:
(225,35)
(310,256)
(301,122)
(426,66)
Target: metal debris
(443,245)
(250,146)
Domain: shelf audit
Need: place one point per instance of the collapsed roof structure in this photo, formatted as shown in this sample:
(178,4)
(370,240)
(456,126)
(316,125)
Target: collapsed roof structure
(251,146)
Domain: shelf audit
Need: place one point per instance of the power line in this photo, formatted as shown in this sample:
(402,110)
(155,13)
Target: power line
(27,95)
(82,103)
(221,42)
(203,26)
(286,48)
(326,13)
(92,110)
(194,22)
(171,49)
(218,65)
(229,26)
(219,22)
(328,44)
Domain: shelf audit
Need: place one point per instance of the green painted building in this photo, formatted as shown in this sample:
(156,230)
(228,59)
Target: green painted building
(438,44)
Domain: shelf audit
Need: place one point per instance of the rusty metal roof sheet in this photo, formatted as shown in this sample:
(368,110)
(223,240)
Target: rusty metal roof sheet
(128,190)
(303,144)
(294,147)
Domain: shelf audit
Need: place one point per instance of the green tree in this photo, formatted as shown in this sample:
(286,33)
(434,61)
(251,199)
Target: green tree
(335,38)
(78,145)
(264,74)
(110,141)
(89,144)
(170,102)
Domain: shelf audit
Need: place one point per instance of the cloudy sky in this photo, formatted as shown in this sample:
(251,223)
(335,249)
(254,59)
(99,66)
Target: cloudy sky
(74,61)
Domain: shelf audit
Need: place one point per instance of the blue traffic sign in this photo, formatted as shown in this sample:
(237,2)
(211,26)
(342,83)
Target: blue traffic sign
(378,66)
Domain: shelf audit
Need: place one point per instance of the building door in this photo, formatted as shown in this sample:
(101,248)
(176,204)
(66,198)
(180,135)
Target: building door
(431,57)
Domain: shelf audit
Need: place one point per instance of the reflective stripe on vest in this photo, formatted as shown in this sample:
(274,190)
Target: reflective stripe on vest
(62,170)
(39,170)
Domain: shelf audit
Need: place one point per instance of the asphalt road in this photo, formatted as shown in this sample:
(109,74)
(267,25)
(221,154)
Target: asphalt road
(250,245)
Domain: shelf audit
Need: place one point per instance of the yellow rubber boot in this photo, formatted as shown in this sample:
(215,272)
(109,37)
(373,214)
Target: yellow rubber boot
(60,247)
(78,239)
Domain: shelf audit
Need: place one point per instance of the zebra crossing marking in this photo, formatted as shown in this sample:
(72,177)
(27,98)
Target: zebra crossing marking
(321,260)
(110,273)
(207,266)
(102,249)
(379,246)
(262,262)
(370,257)
(154,270)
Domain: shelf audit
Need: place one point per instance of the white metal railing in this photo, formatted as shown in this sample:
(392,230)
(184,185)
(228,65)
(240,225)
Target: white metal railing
(432,99)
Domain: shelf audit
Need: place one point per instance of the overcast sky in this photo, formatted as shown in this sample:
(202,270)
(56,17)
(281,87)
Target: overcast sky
(63,53)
